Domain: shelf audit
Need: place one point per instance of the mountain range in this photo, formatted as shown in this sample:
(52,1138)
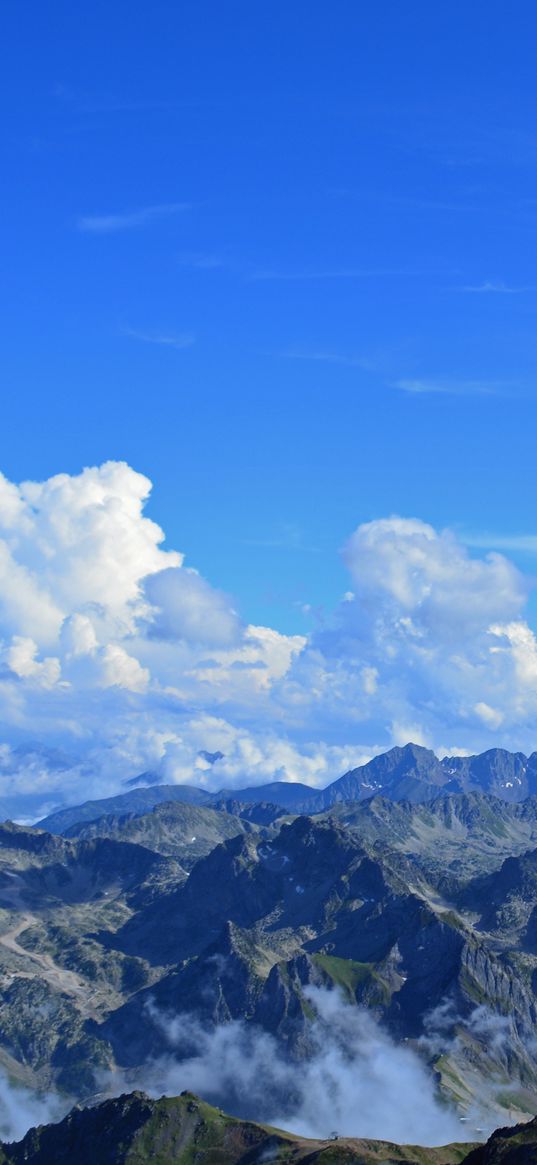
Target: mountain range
(410,773)
(146,940)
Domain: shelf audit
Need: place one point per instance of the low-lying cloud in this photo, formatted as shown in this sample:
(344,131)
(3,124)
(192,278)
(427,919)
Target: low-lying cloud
(511,1046)
(23,1108)
(354,1081)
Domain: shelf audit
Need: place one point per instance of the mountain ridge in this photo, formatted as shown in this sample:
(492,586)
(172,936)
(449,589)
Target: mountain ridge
(133,1129)
(410,772)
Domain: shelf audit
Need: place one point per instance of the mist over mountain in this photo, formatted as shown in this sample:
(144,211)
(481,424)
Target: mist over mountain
(290,968)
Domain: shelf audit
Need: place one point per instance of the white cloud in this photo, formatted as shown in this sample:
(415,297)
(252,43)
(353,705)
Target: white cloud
(370,677)
(22,1108)
(21,658)
(430,577)
(525,543)
(177,340)
(123,671)
(490,716)
(105,224)
(184,606)
(115,651)
(492,287)
(78,636)
(24,604)
(420,385)
(108,642)
(354,1079)
(81,542)
(252,757)
(442,632)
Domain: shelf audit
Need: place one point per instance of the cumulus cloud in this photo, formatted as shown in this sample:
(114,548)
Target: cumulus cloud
(20,658)
(84,574)
(78,543)
(430,638)
(430,575)
(185,606)
(108,643)
(259,756)
(116,651)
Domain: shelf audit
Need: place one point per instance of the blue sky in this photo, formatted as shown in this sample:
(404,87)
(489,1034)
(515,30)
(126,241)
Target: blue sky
(280,258)
(277,260)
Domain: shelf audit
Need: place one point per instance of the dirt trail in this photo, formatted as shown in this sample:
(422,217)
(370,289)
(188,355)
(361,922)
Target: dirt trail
(58,978)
